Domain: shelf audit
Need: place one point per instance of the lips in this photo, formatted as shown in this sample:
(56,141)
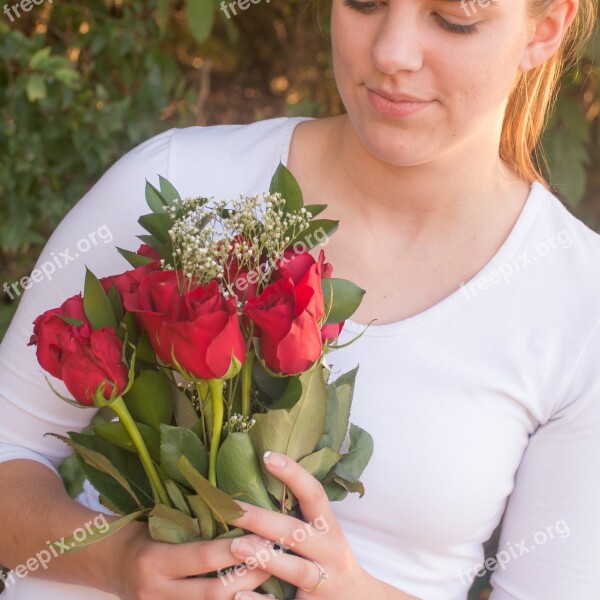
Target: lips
(396,96)
(395,105)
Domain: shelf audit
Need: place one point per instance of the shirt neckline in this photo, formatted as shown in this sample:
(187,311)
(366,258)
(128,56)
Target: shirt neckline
(458,297)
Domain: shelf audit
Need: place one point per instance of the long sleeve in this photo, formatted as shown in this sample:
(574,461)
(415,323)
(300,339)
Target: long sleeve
(106,217)
(550,539)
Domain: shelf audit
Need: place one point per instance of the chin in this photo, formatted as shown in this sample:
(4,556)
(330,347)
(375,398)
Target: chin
(395,146)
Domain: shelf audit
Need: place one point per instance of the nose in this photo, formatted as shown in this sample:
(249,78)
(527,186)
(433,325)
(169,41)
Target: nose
(398,44)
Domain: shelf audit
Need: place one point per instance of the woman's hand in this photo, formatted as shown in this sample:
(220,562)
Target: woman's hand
(326,567)
(144,569)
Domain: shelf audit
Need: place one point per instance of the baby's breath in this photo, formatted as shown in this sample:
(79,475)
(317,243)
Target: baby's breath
(222,241)
(238,423)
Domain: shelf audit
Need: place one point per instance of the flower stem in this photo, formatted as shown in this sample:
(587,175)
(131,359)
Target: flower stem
(158,489)
(247,383)
(216,393)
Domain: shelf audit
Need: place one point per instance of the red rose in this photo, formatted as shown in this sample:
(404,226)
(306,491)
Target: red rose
(55,338)
(331,331)
(99,360)
(205,335)
(156,300)
(148,251)
(304,270)
(286,315)
(199,330)
(129,281)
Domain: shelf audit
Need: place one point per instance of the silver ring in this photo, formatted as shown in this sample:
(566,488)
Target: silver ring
(323,575)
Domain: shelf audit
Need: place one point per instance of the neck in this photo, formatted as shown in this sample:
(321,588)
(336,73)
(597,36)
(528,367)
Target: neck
(452,195)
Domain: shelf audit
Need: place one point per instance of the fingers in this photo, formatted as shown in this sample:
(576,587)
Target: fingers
(226,586)
(310,493)
(245,595)
(293,533)
(193,558)
(298,571)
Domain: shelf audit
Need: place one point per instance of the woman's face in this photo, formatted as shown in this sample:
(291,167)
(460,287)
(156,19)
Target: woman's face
(461,57)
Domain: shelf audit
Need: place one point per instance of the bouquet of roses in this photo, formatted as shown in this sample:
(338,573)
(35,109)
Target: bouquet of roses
(210,352)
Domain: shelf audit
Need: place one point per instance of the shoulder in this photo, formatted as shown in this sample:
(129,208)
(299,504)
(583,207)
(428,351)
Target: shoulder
(573,246)
(216,160)
(226,160)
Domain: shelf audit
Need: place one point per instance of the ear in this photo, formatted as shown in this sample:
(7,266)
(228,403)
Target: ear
(547,33)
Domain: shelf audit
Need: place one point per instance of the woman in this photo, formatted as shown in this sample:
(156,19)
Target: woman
(479,381)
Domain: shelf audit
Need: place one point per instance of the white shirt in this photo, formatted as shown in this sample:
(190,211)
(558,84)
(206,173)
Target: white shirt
(492,395)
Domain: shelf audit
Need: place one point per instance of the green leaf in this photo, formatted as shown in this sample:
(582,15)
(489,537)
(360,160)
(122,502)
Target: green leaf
(96,304)
(319,463)
(351,486)
(115,433)
(127,463)
(39,58)
(168,191)
(176,442)
(170,525)
(295,432)
(291,395)
(150,400)
(155,199)
(342,298)
(316,233)
(339,403)
(200,18)
(135,260)
(115,302)
(222,507)
(177,497)
(95,533)
(185,414)
(273,587)
(36,88)
(239,473)
(101,463)
(158,224)
(69,76)
(352,464)
(285,183)
(70,320)
(202,512)
(315,209)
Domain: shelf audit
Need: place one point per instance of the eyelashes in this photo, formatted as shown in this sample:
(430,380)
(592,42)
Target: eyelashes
(370,7)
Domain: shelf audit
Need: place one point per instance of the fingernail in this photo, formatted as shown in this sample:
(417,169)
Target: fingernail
(242,548)
(243,596)
(266,542)
(274,460)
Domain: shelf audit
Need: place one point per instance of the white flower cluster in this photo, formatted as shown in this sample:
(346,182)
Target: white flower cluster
(238,423)
(221,241)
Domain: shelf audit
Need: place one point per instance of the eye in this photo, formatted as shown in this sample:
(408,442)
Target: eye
(455,27)
(366,8)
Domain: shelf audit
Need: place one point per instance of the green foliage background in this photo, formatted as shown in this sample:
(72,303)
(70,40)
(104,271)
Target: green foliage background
(83,82)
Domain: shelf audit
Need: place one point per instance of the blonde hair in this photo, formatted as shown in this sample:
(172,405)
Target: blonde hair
(534,92)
